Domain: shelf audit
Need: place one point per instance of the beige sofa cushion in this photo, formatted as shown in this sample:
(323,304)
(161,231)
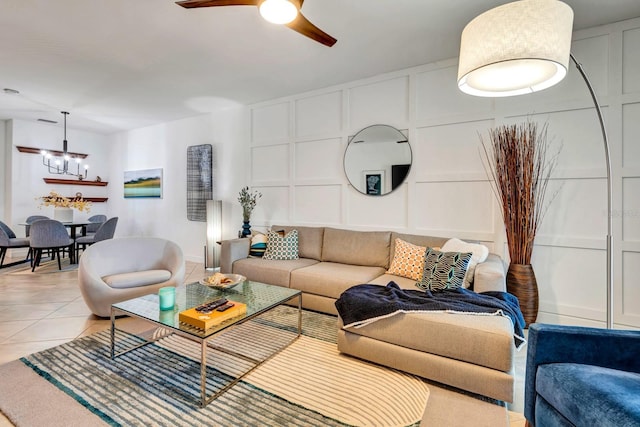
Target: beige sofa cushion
(332,279)
(426,241)
(370,248)
(403,282)
(481,340)
(273,272)
(309,240)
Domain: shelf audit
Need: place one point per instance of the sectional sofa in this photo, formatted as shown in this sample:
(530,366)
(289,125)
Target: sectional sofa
(473,353)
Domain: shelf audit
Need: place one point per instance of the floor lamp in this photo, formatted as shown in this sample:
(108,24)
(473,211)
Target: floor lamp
(214,235)
(523,47)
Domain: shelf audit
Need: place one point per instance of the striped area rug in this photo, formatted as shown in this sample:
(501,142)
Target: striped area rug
(307,384)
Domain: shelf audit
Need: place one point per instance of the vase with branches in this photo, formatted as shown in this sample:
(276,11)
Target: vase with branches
(248,200)
(520,165)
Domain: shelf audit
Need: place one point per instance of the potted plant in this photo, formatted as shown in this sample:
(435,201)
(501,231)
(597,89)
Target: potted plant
(520,165)
(248,200)
(63,206)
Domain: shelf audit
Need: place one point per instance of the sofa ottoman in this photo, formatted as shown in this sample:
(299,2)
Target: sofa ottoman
(474,353)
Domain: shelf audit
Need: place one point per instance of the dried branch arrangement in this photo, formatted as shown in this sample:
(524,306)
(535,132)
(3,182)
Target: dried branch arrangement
(520,166)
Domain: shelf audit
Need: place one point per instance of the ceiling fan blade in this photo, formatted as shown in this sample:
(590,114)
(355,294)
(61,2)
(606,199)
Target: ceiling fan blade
(209,3)
(306,28)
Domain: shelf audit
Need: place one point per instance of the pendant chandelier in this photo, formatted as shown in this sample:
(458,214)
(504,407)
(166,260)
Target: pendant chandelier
(61,167)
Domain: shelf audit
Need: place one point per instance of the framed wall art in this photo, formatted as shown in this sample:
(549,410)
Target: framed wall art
(142,184)
(373,182)
(199,181)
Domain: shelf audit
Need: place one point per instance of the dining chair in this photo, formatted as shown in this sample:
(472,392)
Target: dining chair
(95,222)
(27,228)
(105,232)
(8,240)
(49,234)
(30,220)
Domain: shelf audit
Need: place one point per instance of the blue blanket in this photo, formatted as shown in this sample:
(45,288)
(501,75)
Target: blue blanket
(364,304)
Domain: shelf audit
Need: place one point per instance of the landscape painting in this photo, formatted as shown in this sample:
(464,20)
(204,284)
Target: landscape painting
(145,183)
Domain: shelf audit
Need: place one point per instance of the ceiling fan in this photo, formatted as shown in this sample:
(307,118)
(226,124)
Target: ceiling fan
(285,12)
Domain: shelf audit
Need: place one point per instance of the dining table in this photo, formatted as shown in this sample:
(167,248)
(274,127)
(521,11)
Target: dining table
(74,225)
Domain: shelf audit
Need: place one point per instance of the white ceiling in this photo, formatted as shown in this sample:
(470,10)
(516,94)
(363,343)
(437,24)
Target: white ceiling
(124,64)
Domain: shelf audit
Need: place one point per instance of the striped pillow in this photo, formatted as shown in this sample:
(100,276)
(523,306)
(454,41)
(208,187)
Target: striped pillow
(443,270)
(258,245)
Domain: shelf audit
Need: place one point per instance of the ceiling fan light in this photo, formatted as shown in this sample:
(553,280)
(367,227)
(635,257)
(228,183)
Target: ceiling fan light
(278,11)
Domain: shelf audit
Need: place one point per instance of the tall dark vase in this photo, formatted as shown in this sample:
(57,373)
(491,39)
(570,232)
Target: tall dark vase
(246,228)
(521,282)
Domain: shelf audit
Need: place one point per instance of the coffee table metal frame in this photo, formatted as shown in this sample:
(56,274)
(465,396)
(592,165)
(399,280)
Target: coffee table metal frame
(203,337)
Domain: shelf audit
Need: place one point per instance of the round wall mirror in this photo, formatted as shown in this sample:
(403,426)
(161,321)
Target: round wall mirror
(377,160)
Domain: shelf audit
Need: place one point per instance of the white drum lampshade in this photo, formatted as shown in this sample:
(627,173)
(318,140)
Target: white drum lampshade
(516,48)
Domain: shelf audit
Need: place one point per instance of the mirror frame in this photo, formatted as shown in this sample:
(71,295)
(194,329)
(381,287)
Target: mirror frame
(376,175)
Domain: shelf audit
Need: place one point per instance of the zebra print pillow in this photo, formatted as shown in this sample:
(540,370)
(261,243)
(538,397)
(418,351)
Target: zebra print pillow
(443,270)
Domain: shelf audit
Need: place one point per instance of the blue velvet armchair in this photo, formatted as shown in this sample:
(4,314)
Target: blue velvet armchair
(579,376)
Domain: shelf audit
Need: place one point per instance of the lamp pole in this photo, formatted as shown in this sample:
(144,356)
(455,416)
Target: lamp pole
(609,308)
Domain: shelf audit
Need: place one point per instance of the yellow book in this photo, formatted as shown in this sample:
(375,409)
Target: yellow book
(206,321)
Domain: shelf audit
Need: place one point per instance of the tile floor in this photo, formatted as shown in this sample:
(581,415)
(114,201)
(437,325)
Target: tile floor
(50,311)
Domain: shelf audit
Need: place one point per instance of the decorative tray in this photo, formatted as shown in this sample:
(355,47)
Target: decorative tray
(223,281)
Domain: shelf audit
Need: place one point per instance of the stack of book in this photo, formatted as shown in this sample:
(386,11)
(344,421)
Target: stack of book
(208,315)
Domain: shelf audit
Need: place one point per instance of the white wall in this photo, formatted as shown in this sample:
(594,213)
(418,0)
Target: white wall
(3,167)
(297,145)
(161,146)
(26,171)
(165,146)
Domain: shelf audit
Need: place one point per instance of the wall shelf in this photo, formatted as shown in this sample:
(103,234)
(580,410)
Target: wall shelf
(34,150)
(92,199)
(75,182)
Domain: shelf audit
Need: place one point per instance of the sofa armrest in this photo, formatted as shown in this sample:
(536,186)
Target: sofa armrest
(490,275)
(231,251)
(615,349)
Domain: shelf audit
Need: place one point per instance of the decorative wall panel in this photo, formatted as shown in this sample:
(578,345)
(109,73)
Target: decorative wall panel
(571,280)
(438,148)
(319,160)
(308,211)
(578,211)
(199,181)
(319,115)
(631,134)
(273,207)
(441,84)
(270,123)
(270,163)
(383,213)
(631,210)
(631,288)
(631,63)
(454,207)
(385,102)
(563,133)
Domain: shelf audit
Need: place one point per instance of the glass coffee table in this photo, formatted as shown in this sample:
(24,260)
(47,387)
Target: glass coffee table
(258,297)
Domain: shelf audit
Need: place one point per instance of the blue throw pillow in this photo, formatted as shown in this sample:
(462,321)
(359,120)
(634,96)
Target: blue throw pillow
(258,245)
